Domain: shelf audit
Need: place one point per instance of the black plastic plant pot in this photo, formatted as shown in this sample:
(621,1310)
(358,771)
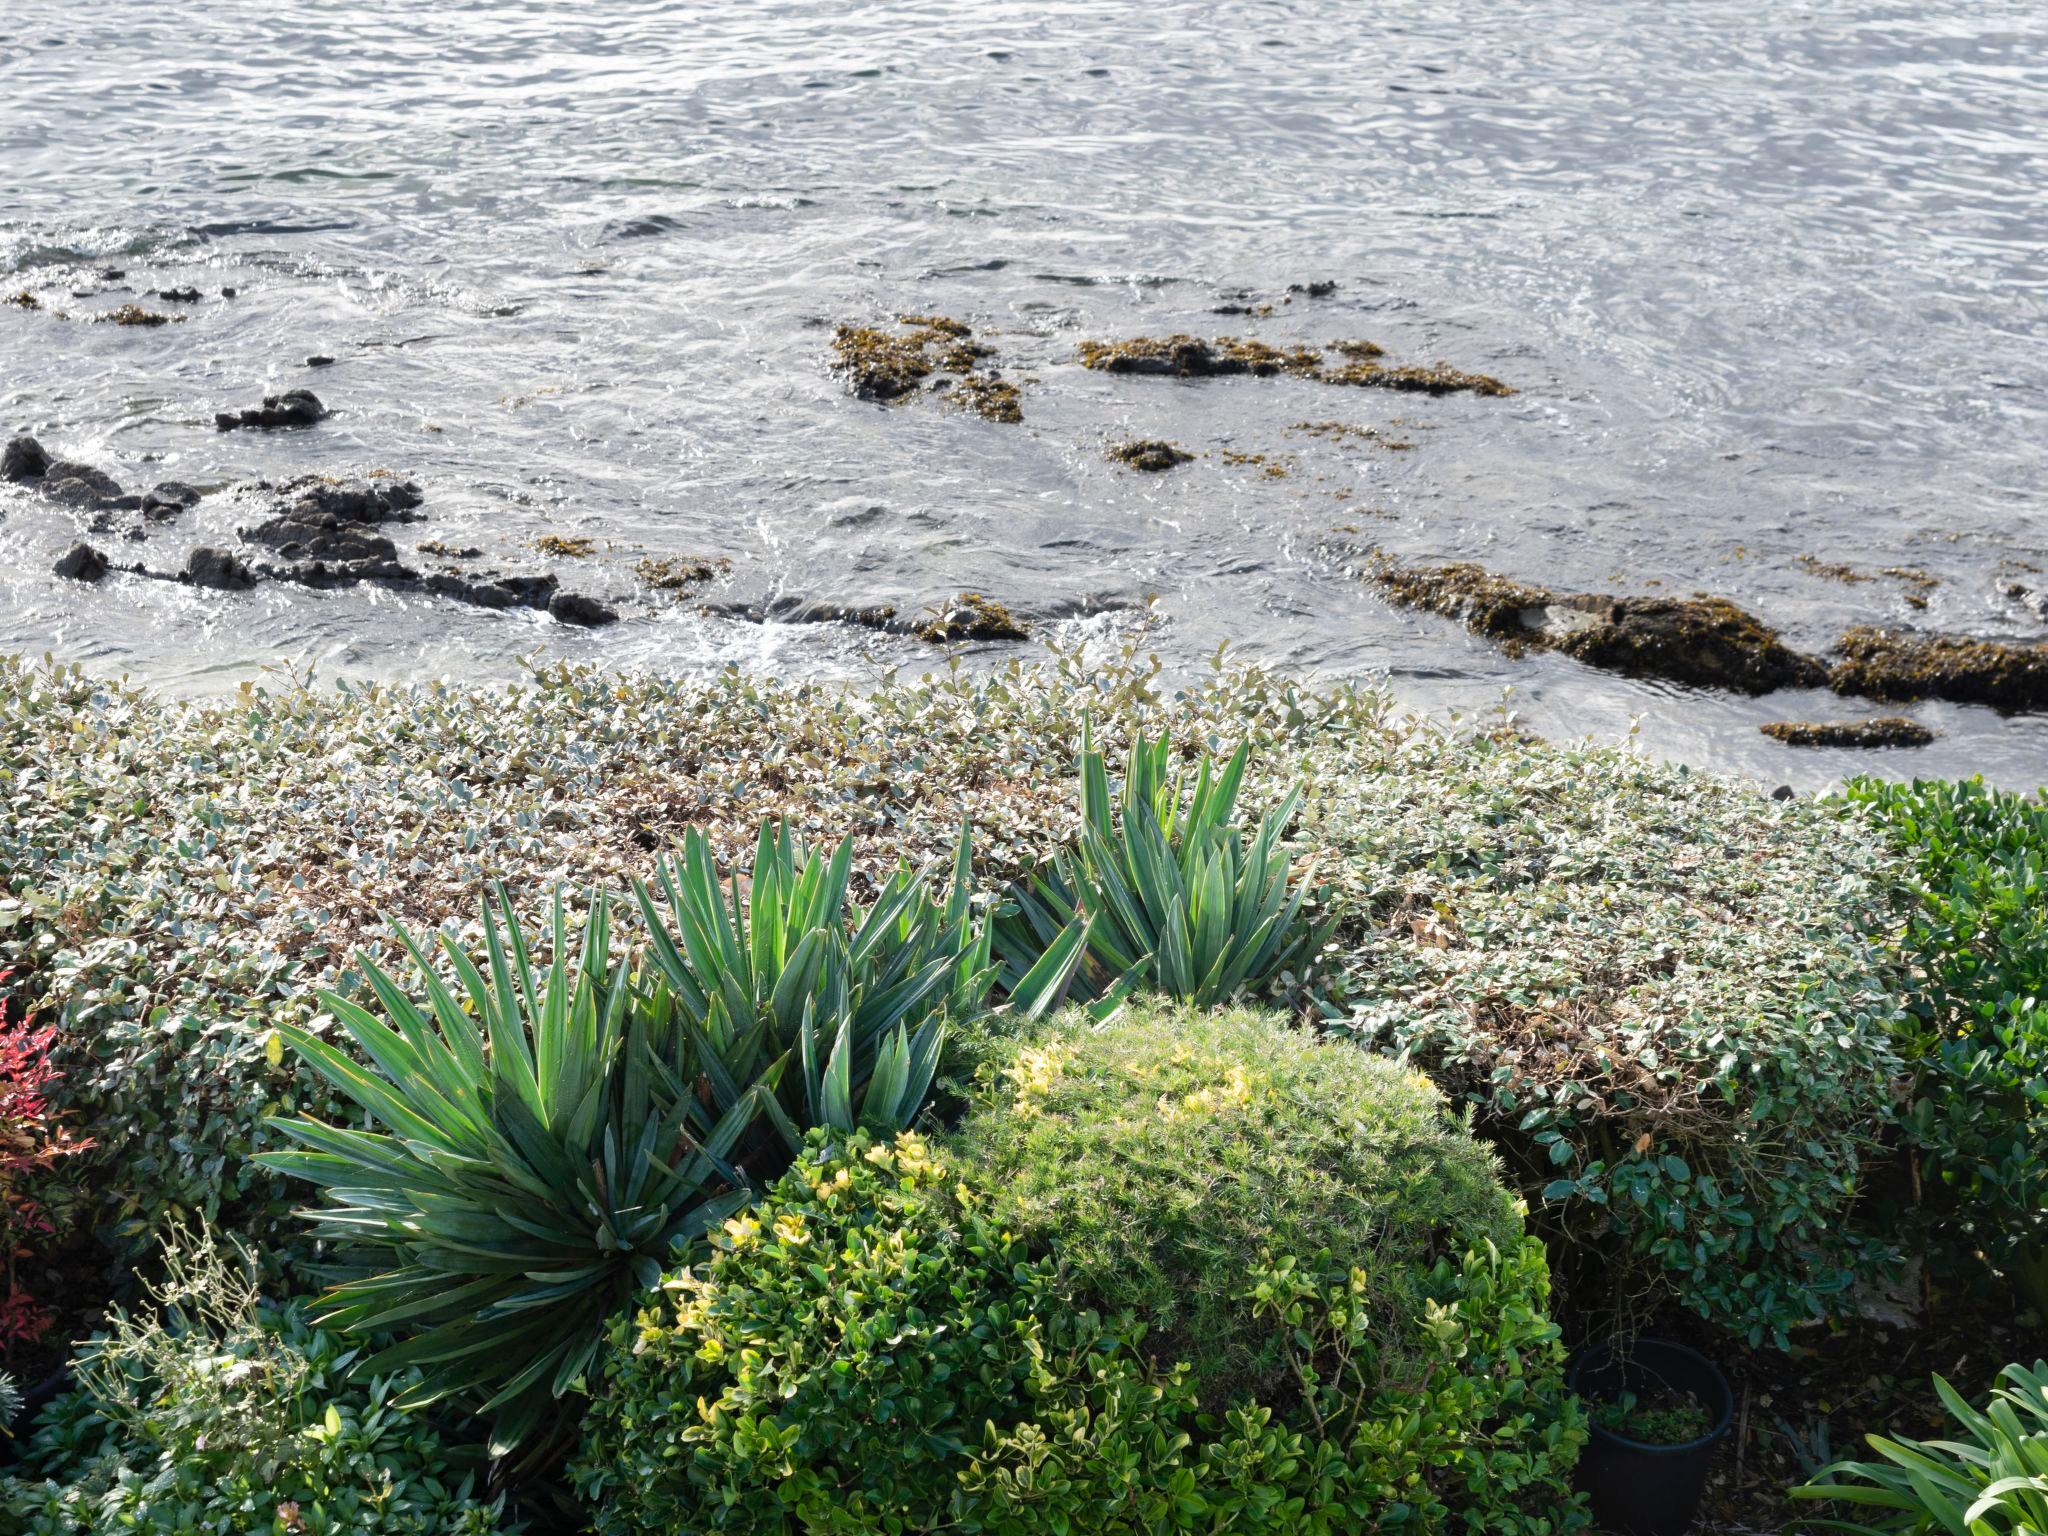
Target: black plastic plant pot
(1638,1489)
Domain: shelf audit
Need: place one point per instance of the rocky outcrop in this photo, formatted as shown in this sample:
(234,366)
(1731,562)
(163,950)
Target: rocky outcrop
(1149,455)
(1707,642)
(1901,665)
(217,569)
(23,459)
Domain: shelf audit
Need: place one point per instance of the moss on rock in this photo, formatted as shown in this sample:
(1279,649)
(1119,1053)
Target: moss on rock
(1188,357)
(888,365)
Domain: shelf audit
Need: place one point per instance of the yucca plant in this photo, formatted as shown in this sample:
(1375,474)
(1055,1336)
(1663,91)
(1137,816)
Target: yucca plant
(540,1148)
(1176,896)
(857,997)
(1995,1483)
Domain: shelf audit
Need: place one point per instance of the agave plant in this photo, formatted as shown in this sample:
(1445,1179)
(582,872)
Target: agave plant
(1176,897)
(858,998)
(1995,1483)
(540,1148)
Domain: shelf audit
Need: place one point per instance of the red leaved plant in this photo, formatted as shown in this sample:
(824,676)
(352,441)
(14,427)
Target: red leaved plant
(32,1142)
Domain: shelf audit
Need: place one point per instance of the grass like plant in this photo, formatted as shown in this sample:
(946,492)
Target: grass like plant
(1175,896)
(542,1145)
(1993,1482)
(855,998)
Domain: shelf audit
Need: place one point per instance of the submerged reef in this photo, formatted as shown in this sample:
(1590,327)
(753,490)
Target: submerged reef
(1878,731)
(1188,357)
(887,365)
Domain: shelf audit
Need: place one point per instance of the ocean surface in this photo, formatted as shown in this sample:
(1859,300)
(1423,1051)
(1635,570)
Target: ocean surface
(1771,284)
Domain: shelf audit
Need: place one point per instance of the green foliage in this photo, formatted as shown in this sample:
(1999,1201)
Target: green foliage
(543,1148)
(867,1350)
(1669,1418)
(216,1412)
(1991,1482)
(1173,895)
(854,1000)
(1975,957)
(1162,1155)
(1657,990)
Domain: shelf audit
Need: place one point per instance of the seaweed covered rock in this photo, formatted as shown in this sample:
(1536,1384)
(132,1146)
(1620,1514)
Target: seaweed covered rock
(293,408)
(1707,642)
(1188,357)
(1878,731)
(1149,455)
(887,365)
(971,616)
(1898,665)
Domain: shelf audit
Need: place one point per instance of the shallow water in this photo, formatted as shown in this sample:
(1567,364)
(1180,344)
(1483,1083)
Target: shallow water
(1771,282)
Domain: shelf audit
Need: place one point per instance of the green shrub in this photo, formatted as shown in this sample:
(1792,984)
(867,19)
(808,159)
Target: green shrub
(867,1351)
(216,1412)
(1173,895)
(1974,956)
(1161,1156)
(543,1149)
(1991,1481)
(1657,989)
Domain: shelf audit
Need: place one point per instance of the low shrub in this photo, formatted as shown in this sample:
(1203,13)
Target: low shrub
(214,1411)
(1991,1480)
(1973,958)
(1172,894)
(178,877)
(867,1350)
(1658,990)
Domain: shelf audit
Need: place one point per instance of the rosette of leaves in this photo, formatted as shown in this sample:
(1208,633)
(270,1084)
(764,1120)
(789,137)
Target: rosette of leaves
(857,998)
(1989,1481)
(541,1145)
(1176,896)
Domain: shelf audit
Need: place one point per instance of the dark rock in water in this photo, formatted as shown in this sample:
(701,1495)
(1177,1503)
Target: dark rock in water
(1893,664)
(1881,731)
(81,485)
(178,295)
(533,591)
(319,360)
(293,408)
(1317,290)
(1707,642)
(586,612)
(167,500)
(1149,455)
(329,528)
(81,562)
(227,293)
(1784,792)
(219,569)
(23,459)
(791,609)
